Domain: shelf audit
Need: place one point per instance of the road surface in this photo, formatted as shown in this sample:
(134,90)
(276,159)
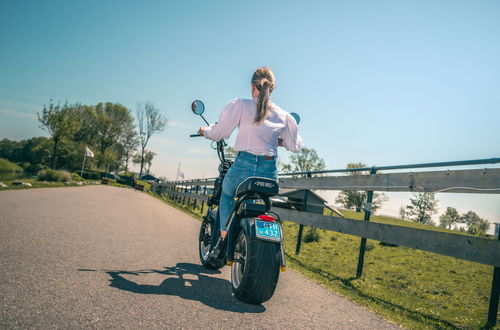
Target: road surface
(108,257)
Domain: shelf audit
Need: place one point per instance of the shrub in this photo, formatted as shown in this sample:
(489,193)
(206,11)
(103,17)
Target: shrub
(53,175)
(76,177)
(312,235)
(91,175)
(146,185)
(7,166)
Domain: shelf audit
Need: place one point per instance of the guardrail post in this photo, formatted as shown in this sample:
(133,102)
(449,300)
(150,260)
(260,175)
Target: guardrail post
(495,293)
(301,227)
(203,200)
(368,211)
(195,200)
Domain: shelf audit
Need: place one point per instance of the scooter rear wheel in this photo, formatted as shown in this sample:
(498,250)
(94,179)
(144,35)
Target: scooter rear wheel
(255,270)
(205,247)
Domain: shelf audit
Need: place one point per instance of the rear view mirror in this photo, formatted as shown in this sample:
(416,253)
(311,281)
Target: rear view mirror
(198,107)
(296,117)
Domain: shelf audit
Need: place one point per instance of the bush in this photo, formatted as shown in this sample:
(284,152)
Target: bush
(146,185)
(53,175)
(312,235)
(76,177)
(91,175)
(6,166)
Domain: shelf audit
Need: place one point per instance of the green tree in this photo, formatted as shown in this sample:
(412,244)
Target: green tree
(475,224)
(449,218)
(111,120)
(422,207)
(60,122)
(307,160)
(150,122)
(148,159)
(352,199)
(129,142)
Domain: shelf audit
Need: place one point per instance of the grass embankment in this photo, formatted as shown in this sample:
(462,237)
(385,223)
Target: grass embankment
(416,289)
(42,184)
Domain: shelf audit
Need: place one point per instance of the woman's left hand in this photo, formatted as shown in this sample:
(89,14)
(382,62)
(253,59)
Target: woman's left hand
(201,131)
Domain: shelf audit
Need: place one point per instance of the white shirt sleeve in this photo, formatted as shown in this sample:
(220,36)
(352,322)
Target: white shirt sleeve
(229,119)
(291,139)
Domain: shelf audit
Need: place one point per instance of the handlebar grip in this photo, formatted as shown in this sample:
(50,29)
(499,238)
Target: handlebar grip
(194,135)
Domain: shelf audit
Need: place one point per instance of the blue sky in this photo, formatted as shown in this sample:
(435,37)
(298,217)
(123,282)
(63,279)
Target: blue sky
(379,82)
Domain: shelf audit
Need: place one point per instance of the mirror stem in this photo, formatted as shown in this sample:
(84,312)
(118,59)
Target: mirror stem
(205,120)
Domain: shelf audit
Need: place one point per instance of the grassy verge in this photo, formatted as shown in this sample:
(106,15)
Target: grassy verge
(416,289)
(42,184)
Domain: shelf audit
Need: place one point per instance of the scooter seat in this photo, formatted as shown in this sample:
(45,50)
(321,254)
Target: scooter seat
(262,186)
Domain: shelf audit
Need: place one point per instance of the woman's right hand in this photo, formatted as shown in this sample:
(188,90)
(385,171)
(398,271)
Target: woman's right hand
(202,130)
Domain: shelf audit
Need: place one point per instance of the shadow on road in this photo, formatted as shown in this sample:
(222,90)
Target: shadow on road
(188,281)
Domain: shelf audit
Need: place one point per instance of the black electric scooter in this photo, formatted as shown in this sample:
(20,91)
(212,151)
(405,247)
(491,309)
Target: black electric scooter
(253,246)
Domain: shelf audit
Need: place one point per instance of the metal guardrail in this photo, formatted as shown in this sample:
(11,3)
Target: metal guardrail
(485,181)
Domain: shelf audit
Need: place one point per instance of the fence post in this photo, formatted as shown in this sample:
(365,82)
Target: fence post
(368,211)
(203,200)
(301,227)
(495,290)
(194,204)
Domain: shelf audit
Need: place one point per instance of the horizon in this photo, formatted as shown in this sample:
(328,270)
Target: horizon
(383,83)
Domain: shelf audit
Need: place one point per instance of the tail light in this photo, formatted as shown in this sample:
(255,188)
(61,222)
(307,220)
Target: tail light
(266,218)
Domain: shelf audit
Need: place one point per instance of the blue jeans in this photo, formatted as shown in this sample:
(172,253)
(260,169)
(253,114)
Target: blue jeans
(245,165)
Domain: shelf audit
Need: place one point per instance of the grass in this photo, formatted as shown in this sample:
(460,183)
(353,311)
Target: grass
(7,166)
(38,184)
(415,289)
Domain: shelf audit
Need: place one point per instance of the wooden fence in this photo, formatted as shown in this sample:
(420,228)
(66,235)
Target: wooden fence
(484,181)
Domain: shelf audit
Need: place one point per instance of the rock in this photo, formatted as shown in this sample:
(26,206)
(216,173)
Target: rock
(19,183)
(67,183)
(79,183)
(3,185)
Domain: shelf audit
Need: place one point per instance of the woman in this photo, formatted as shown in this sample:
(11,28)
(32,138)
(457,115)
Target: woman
(263,126)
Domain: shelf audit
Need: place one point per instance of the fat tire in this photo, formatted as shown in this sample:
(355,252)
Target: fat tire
(208,263)
(261,271)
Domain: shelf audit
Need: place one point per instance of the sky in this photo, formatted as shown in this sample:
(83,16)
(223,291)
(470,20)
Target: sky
(377,82)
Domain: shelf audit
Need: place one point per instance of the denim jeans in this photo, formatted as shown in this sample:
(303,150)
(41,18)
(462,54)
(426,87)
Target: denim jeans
(245,165)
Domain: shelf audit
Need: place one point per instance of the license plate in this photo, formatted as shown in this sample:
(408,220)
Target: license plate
(268,230)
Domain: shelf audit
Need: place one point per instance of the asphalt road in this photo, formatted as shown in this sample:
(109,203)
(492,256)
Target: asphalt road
(106,257)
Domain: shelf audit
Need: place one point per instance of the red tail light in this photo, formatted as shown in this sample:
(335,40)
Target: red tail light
(266,218)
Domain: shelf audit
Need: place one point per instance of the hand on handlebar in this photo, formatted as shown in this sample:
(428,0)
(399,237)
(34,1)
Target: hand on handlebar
(202,129)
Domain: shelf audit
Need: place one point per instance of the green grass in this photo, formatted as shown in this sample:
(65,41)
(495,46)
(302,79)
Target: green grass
(37,184)
(415,289)
(6,166)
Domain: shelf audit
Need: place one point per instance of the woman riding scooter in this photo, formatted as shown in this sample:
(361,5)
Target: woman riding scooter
(262,127)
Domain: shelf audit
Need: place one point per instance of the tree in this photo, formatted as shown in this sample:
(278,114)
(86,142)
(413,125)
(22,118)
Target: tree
(150,122)
(307,160)
(129,142)
(111,120)
(475,224)
(449,218)
(60,122)
(148,159)
(422,207)
(351,199)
